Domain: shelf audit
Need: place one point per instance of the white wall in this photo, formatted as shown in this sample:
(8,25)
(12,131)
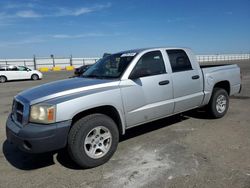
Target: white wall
(222,57)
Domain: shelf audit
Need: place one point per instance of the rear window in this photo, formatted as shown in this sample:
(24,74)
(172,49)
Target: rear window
(12,68)
(179,60)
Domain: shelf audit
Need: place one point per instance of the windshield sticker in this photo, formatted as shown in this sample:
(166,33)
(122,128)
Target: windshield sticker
(128,55)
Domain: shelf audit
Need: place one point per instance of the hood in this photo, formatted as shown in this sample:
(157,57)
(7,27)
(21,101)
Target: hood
(64,87)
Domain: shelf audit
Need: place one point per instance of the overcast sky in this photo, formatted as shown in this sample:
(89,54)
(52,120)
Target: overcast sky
(88,28)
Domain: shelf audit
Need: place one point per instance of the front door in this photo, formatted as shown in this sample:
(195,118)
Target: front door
(148,94)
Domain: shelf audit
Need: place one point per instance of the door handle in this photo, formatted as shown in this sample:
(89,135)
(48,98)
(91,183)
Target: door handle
(195,77)
(164,82)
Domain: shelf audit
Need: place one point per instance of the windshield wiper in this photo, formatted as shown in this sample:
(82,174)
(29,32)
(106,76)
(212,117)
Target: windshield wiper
(90,76)
(97,76)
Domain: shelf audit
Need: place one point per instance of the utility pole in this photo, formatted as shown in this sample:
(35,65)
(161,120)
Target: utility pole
(53,60)
(34,61)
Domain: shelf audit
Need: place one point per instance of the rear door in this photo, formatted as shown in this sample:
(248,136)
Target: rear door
(147,94)
(187,81)
(13,73)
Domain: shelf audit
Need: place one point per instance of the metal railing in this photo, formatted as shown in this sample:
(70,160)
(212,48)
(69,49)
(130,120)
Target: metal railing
(222,57)
(38,62)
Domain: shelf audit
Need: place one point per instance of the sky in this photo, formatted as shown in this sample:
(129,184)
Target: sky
(88,28)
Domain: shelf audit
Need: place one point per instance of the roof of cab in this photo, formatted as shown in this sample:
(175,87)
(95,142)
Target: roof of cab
(152,48)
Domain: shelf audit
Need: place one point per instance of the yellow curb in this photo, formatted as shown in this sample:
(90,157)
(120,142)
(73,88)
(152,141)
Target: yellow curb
(44,69)
(69,68)
(57,68)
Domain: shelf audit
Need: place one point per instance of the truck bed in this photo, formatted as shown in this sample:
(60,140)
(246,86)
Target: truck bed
(216,65)
(213,74)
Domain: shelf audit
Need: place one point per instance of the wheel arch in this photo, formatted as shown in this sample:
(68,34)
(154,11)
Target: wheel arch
(108,110)
(38,77)
(225,84)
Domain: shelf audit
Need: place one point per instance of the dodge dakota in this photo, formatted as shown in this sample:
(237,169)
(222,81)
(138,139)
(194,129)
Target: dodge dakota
(87,114)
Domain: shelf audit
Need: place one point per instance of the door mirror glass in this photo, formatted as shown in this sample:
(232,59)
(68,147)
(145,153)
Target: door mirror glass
(138,73)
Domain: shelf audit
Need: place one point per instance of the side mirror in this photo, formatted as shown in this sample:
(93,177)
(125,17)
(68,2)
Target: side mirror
(133,76)
(139,73)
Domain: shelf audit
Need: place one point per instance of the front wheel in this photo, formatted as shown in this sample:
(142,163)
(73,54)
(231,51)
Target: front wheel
(93,140)
(219,103)
(34,77)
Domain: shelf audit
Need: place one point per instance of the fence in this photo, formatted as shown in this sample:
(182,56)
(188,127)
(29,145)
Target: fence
(222,57)
(38,62)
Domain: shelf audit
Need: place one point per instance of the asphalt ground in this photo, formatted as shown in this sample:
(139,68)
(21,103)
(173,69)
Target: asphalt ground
(188,150)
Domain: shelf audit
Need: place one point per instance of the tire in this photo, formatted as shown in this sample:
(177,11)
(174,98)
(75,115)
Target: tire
(3,79)
(35,77)
(93,140)
(219,103)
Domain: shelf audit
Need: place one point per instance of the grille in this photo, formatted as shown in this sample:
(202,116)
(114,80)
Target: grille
(17,111)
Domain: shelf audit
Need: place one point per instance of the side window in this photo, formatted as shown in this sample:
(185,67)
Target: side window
(12,68)
(149,64)
(21,68)
(179,60)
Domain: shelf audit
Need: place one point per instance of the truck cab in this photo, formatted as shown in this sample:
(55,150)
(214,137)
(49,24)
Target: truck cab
(162,79)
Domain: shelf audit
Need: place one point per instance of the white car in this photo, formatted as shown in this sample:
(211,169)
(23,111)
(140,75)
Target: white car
(11,72)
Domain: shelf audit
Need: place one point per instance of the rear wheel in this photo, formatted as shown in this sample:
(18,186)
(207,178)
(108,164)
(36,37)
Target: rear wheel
(93,140)
(3,79)
(219,103)
(34,77)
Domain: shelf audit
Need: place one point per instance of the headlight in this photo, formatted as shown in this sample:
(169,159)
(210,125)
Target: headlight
(43,113)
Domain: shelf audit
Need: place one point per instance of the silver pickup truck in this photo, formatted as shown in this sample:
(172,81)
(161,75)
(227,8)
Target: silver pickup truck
(88,114)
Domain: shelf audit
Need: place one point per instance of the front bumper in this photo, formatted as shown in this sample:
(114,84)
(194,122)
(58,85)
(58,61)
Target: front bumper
(37,138)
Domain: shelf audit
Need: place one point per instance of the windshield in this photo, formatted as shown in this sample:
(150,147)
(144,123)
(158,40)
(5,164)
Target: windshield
(111,66)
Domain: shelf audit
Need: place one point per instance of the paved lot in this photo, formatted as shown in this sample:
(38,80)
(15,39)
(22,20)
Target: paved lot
(182,151)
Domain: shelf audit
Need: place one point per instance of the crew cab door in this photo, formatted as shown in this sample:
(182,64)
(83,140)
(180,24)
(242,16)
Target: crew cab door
(147,93)
(187,81)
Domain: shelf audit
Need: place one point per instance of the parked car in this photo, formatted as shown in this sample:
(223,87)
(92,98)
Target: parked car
(106,55)
(80,70)
(12,72)
(126,89)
